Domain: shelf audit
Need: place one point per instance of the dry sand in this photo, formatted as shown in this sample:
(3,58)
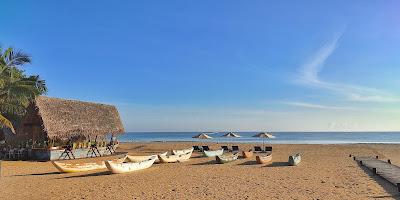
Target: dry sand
(326,172)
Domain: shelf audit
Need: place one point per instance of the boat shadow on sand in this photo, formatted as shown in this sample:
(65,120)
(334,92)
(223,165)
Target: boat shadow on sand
(38,174)
(278,164)
(87,175)
(210,162)
(273,164)
(250,162)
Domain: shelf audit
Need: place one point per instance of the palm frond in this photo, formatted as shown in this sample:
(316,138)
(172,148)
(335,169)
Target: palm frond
(4,122)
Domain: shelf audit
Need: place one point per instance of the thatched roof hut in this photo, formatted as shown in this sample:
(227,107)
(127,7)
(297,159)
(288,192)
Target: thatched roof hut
(54,118)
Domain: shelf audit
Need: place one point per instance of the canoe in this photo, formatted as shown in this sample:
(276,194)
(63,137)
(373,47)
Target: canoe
(142,158)
(118,168)
(226,158)
(294,159)
(82,167)
(183,151)
(213,153)
(174,158)
(264,159)
(247,154)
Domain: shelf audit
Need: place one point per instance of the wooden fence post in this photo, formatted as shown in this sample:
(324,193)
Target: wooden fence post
(390,162)
(374,170)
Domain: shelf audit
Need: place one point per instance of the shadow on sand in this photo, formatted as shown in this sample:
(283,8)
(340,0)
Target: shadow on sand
(87,175)
(39,174)
(278,164)
(386,185)
(250,162)
(211,162)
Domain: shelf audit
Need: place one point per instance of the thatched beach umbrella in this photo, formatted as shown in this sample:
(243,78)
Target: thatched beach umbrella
(231,134)
(202,136)
(264,135)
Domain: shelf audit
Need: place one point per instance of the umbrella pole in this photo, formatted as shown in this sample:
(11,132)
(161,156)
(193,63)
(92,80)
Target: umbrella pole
(263,145)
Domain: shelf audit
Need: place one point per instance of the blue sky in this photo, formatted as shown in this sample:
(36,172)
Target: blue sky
(219,65)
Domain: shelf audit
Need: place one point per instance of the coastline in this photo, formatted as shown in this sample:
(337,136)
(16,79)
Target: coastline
(326,172)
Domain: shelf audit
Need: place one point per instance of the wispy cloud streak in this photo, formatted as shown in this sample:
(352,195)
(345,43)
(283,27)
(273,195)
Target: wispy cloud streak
(310,71)
(315,106)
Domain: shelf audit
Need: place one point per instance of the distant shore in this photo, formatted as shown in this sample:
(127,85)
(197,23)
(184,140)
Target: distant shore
(326,172)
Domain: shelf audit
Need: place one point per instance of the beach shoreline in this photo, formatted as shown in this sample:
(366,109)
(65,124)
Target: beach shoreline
(326,172)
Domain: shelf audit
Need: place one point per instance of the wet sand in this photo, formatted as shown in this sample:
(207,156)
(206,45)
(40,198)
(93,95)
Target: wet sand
(326,172)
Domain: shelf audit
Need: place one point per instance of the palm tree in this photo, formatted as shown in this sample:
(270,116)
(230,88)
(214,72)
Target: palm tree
(16,89)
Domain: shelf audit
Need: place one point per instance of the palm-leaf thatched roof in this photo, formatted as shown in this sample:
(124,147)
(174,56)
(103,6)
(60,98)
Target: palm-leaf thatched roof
(67,118)
(230,134)
(202,136)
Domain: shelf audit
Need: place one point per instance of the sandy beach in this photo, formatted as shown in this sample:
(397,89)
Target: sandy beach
(326,172)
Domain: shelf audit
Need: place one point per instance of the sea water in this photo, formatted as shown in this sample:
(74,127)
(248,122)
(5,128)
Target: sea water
(281,137)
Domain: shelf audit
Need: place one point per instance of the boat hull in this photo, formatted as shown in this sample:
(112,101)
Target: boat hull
(264,159)
(118,168)
(174,158)
(247,154)
(213,153)
(142,158)
(294,160)
(83,167)
(226,159)
(183,151)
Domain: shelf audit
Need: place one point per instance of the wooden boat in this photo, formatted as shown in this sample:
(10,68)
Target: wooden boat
(264,159)
(142,158)
(118,168)
(247,154)
(213,153)
(226,158)
(174,158)
(82,167)
(294,159)
(183,151)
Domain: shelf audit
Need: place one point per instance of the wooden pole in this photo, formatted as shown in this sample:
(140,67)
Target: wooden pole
(354,158)
(374,170)
(390,162)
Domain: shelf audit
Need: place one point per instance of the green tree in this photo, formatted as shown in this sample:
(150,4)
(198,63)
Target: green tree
(17,90)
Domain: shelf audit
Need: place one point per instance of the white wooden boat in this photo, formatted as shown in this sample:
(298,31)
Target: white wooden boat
(226,158)
(213,153)
(264,159)
(82,167)
(174,158)
(294,159)
(183,151)
(142,158)
(118,168)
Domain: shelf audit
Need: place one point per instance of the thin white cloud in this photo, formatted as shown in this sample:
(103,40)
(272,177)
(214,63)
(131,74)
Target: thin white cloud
(310,71)
(316,106)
